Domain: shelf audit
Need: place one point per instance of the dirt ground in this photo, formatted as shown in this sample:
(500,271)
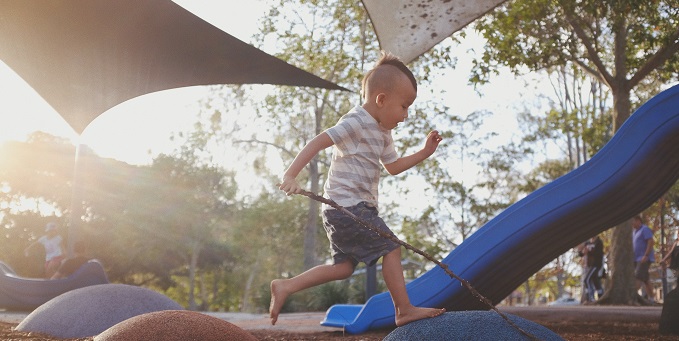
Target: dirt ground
(571,323)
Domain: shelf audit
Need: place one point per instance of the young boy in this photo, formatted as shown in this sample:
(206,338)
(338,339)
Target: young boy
(362,140)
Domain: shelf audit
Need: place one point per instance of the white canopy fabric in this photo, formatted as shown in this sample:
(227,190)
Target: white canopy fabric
(409,28)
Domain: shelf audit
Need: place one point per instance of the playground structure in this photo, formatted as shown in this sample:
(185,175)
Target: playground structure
(25,294)
(635,168)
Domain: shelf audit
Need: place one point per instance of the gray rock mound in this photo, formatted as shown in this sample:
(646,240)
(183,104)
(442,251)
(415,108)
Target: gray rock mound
(89,311)
(471,325)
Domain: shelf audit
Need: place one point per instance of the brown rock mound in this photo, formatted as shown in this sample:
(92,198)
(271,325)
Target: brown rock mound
(174,325)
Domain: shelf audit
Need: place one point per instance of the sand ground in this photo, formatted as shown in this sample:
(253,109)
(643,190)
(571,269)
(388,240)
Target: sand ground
(571,322)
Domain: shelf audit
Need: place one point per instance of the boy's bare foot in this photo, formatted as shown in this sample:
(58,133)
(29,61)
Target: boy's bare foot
(278,296)
(405,316)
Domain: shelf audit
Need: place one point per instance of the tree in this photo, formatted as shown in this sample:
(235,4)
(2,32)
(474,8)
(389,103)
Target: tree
(39,169)
(546,172)
(333,40)
(333,31)
(149,225)
(580,116)
(35,177)
(629,46)
(461,207)
(202,195)
(263,245)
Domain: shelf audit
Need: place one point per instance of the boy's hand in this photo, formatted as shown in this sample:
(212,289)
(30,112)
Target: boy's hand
(433,140)
(290,186)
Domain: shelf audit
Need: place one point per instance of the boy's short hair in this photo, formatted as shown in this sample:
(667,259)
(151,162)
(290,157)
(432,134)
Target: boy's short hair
(388,59)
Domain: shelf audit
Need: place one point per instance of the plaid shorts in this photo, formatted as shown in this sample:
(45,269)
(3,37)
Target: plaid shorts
(349,240)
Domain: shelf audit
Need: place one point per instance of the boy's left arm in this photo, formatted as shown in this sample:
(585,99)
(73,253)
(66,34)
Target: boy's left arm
(407,162)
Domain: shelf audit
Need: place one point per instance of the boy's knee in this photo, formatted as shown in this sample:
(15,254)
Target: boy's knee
(345,270)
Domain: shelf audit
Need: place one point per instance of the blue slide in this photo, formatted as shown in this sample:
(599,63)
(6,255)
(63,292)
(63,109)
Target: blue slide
(637,166)
(26,294)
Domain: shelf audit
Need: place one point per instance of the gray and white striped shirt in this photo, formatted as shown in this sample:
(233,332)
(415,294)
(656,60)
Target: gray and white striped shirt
(361,147)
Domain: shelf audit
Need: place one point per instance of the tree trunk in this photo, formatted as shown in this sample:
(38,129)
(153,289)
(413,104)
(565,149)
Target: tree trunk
(310,230)
(560,278)
(204,301)
(254,271)
(528,298)
(621,286)
(193,265)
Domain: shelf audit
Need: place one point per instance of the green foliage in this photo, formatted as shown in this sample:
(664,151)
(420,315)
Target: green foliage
(324,296)
(266,239)
(334,32)
(356,284)
(542,34)
(427,234)
(40,168)
(180,227)
(544,173)
(629,46)
(140,221)
(459,206)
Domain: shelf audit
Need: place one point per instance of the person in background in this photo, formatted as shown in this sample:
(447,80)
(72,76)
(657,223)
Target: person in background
(671,259)
(54,248)
(642,242)
(593,251)
(70,265)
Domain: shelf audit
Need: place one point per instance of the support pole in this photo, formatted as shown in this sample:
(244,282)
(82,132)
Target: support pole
(370,281)
(74,220)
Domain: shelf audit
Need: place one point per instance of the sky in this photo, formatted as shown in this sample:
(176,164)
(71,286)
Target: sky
(123,132)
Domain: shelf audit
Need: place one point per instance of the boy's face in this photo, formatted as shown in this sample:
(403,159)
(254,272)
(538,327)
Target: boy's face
(395,103)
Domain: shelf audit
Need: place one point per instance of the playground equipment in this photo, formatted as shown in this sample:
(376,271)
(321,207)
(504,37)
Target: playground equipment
(19,293)
(635,168)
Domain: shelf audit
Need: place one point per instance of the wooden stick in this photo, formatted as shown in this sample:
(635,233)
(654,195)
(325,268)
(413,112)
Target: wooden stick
(395,239)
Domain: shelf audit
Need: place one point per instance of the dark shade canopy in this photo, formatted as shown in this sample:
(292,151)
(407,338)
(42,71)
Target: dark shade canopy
(409,28)
(87,56)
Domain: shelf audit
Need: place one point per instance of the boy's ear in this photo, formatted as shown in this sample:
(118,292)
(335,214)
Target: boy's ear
(379,99)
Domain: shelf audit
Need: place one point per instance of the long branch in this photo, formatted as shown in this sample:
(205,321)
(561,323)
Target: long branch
(660,57)
(442,265)
(589,46)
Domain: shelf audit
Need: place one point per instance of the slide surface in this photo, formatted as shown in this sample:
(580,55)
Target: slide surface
(19,293)
(638,165)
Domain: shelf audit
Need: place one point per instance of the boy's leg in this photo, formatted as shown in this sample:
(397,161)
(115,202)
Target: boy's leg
(392,271)
(282,288)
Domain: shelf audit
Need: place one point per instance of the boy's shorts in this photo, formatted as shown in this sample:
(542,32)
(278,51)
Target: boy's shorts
(349,240)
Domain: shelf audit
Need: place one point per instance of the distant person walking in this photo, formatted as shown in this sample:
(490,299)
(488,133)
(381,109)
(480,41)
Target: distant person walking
(54,248)
(671,259)
(642,242)
(593,252)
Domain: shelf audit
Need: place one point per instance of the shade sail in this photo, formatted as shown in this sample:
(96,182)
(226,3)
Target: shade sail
(409,28)
(86,56)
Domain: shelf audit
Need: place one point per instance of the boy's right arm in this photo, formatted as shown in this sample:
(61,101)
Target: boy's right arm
(318,143)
